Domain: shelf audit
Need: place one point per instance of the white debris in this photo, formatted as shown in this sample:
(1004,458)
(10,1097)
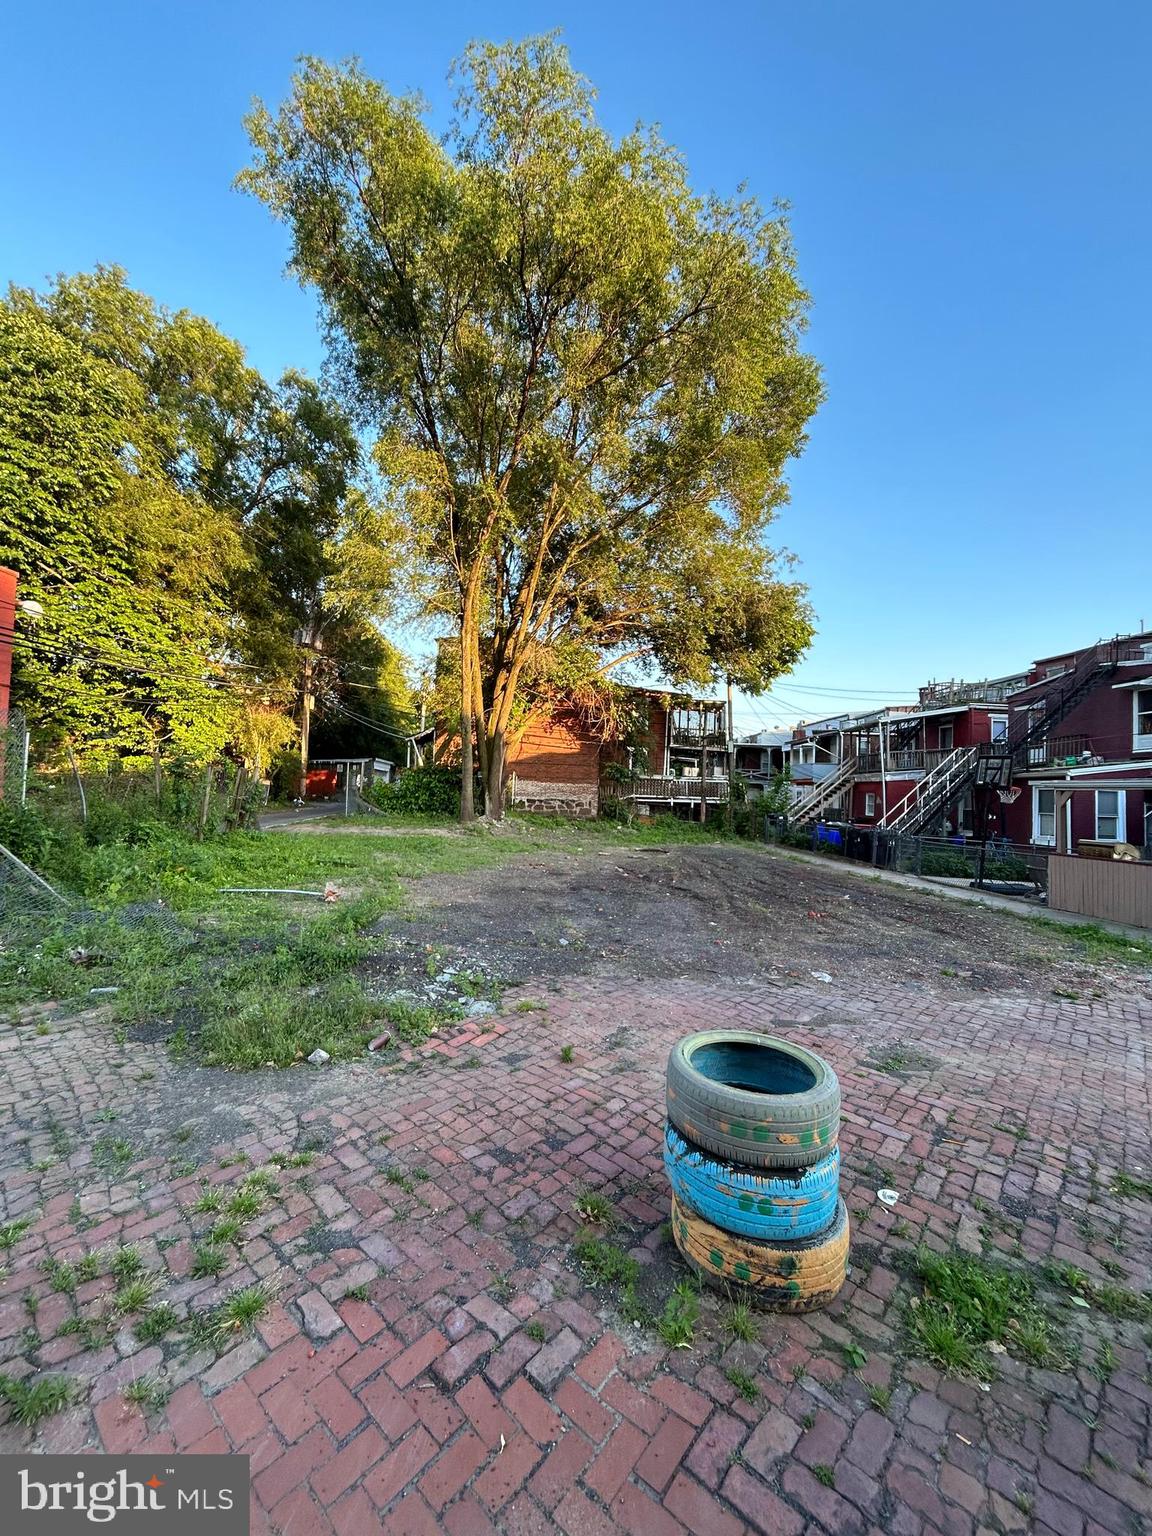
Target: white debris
(888,1196)
(819,975)
(319,1057)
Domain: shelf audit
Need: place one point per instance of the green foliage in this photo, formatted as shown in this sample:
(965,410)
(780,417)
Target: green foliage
(677,1325)
(744,1384)
(432,791)
(31,1401)
(588,375)
(969,1303)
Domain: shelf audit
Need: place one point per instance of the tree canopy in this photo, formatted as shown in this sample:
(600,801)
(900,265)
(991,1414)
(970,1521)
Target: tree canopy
(191,530)
(586,376)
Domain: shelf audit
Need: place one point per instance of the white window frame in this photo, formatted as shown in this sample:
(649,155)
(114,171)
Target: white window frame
(997,727)
(870,798)
(1141,741)
(1120,818)
(1039,838)
(950,727)
(1050,842)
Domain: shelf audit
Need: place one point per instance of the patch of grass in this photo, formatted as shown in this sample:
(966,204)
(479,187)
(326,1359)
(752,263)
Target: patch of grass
(536,1331)
(156,1324)
(740,1322)
(112,1153)
(1113,1300)
(1128,1186)
(208,1261)
(91,1331)
(211,1201)
(1105,1362)
(880,1398)
(135,1295)
(87,1268)
(400,1179)
(125,1263)
(149,1391)
(744,1384)
(32,1401)
(356,1293)
(60,1276)
(245,1203)
(567,1054)
(824,1474)
(526,1005)
(604,1263)
(854,1357)
(227,1230)
(594,1208)
(677,1325)
(242,1310)
(970,1303)
(12,1231)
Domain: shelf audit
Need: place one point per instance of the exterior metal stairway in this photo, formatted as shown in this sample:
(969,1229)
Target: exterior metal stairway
(933,793)
(927,800)
(812,806)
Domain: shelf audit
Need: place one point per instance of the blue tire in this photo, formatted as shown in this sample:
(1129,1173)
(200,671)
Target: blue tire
(750,1201)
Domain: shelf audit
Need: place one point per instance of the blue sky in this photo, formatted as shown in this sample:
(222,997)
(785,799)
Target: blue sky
(970,189)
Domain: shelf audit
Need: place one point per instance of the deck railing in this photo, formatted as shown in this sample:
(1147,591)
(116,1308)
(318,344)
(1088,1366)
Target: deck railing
(669,787)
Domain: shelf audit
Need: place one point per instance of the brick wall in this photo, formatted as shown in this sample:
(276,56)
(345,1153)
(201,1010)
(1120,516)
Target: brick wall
(557,768)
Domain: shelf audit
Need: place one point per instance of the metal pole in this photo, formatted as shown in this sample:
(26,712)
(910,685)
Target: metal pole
(24,767)
(883,775)
(347,785)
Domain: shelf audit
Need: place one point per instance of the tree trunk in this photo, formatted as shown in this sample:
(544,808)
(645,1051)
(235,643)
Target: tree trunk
(467,800)
(306,701)
(494,779)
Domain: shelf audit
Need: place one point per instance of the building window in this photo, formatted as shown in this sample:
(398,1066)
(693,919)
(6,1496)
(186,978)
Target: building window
(1109,816)
(1044,817)
(946,734)
(997,727)
(1142,720)
(869,804)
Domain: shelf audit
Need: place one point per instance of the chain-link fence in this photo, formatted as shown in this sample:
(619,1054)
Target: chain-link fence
(995,864)
(14,757)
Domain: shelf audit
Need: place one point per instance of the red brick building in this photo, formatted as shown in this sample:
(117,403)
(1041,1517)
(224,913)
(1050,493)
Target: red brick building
(562,765)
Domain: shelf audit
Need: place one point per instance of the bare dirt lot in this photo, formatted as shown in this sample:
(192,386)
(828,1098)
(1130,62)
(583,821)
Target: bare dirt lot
(721,910)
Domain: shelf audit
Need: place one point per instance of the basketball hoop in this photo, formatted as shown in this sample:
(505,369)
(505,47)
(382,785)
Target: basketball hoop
(1009,796)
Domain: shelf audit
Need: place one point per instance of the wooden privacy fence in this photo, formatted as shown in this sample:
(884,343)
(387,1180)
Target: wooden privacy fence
(1116,890)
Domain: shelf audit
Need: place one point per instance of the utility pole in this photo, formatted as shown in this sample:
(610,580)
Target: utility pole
(310,639)
(731,753)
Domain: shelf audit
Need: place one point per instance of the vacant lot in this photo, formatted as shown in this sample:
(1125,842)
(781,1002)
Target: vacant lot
(432,1286)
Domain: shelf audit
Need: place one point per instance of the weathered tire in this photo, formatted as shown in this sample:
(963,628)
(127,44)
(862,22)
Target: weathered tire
(753,1099)
(763,1205)
(787,1277)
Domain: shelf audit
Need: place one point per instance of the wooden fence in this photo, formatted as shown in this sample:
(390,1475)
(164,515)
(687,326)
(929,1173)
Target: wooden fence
(1109,888)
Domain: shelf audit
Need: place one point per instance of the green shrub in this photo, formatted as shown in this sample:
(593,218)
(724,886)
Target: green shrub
(432,791)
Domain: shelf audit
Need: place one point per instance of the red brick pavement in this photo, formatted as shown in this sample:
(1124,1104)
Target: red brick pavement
(472,1383)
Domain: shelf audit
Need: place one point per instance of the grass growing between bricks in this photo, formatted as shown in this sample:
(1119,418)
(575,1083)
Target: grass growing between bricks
(972,1309)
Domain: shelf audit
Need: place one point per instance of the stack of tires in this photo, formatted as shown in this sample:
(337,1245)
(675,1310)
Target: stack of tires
(751,1151)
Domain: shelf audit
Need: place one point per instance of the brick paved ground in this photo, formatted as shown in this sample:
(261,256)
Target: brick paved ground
(473,1383)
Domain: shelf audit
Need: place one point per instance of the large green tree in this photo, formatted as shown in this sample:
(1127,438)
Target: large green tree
(586,376)
(199,537)
(132,571)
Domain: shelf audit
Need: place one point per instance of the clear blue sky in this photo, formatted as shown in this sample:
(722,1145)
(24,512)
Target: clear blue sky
(971,202)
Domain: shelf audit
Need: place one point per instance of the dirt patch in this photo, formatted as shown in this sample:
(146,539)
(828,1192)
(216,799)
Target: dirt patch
(718,910)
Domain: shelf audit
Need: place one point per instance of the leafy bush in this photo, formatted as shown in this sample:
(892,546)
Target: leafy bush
(613,808)
(430,791)
(946,863)
(26,831)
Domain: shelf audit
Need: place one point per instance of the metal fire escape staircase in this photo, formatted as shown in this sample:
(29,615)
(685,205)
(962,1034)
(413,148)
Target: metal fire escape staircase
(824,794)
(927,800)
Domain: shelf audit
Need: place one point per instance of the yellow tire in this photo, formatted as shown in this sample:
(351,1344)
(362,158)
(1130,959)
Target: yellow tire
(796,1276)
